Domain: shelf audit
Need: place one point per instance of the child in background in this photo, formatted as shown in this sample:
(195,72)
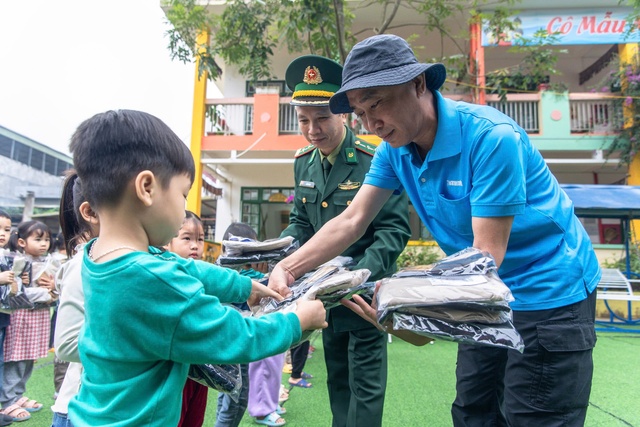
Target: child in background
(27,336)
(146,319)
(6,278)
(230,413)
(79,225)
(265,376)
(189,243)
(59,252)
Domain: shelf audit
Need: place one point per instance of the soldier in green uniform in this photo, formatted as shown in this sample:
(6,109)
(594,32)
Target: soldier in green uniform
(328,174)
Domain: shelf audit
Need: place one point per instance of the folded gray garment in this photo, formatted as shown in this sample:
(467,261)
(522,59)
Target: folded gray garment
(338,282)
(475,314)
(425,291)
(325,281)
(237,247)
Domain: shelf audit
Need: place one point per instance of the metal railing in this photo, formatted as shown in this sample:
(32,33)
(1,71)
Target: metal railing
(590,113)
(229,116)
(288,122)
(523,109)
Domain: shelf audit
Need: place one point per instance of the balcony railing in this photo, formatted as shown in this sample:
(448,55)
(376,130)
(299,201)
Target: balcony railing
(590,113)
(521,108)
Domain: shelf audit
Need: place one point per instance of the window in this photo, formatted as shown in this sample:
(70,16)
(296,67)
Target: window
(37,159)
(50,164)
(266,210)
(250,87)
(21,152)
(6,146)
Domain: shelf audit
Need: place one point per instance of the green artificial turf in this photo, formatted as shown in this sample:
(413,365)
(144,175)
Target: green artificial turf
(421,387)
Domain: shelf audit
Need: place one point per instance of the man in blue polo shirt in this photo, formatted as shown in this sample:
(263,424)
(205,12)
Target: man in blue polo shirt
(476,180)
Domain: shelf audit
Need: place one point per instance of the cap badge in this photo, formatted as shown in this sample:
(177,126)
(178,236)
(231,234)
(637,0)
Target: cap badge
(312,76)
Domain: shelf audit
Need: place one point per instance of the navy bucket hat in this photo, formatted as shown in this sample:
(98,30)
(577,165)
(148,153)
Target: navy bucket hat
(382,60)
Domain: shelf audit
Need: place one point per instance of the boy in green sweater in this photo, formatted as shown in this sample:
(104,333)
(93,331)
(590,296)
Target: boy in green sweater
(150,315)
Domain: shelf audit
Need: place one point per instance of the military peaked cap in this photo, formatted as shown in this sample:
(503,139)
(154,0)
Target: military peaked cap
(313,80)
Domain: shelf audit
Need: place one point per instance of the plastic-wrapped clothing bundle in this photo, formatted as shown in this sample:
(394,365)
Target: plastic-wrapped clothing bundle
(329,283)
(461,299)
(225,378)
(13,297)
(242,251)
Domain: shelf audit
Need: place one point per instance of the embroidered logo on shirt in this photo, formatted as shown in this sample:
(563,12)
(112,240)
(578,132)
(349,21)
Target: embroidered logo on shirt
(454,183)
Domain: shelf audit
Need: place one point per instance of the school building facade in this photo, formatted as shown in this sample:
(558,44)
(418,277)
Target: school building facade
(244,140)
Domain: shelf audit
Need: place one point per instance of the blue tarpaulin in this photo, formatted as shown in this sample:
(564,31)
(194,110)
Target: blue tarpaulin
(604,201)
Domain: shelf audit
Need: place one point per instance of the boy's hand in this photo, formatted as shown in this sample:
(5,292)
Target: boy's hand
(311,314)
(7,277)
(25,278)
(280,279)
(259,291)
(46,281)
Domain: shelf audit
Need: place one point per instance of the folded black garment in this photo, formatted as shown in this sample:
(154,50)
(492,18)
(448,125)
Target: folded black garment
(274,255)
(503,335)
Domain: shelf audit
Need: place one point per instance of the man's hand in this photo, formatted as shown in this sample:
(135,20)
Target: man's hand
(259,291)
(363,309)
(369,313)
(280,279)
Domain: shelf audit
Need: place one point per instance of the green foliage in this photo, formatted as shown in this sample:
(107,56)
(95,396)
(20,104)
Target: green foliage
(621,264)
(624,84)
(539,59)
(418,255)
(241,36)
(245,33)
(188,19)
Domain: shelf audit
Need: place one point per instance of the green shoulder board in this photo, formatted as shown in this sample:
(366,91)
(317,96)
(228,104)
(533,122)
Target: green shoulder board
(365,147)
(304,150)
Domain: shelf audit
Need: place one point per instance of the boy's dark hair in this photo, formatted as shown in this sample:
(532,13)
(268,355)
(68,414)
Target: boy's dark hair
(111,148)
(73,225)
(26,229)
(3,214)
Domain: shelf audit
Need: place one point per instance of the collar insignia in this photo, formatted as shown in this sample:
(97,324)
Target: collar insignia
(348,185)
(312,76)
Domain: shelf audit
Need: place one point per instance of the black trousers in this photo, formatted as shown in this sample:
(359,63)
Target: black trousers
(299,355)
(547,385)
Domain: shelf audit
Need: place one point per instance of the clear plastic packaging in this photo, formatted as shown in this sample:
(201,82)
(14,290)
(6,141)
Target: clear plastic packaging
(242,251)
(225,378)
(461,299)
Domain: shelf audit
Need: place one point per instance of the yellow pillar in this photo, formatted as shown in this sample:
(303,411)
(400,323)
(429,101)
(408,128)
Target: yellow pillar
(194,200)
(629,54)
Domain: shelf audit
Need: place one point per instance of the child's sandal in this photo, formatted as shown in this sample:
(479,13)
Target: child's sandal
(29,405)
(17,413)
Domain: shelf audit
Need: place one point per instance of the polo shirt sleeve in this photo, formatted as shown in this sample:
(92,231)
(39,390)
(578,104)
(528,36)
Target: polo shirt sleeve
(498,165)
(381,173)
